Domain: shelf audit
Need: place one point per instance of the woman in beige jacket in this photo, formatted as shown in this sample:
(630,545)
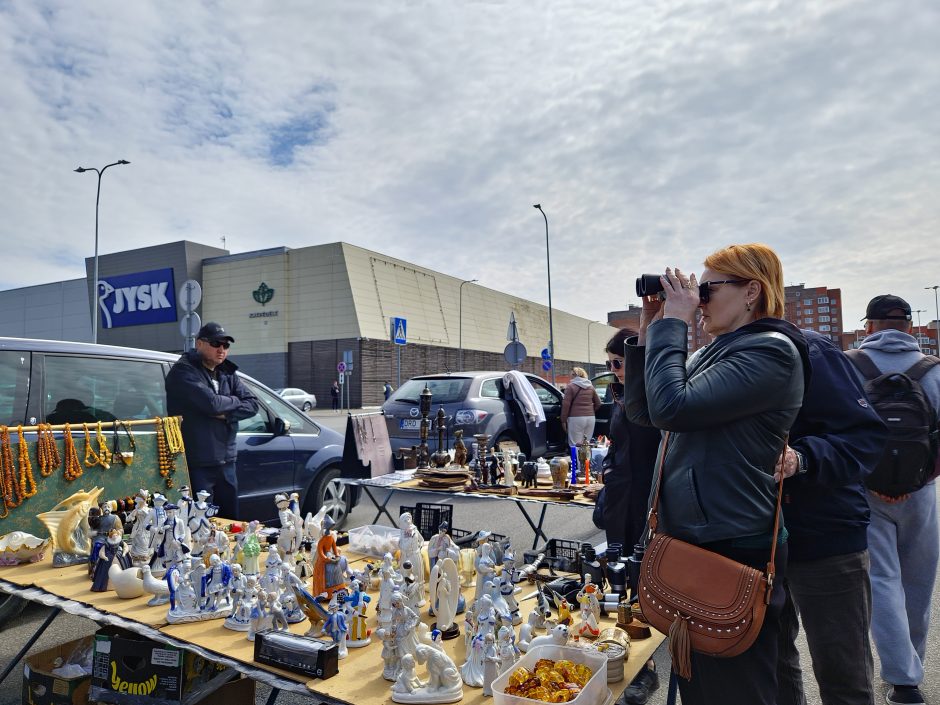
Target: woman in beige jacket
(578,407)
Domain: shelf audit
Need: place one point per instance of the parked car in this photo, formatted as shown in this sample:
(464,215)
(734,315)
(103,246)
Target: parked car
(476,402)
(299,398)
(602,384)
(279,449)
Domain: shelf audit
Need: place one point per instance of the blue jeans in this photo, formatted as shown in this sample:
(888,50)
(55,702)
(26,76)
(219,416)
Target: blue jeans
(904,545)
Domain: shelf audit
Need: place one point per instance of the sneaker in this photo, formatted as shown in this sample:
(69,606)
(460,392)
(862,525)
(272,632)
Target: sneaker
(904,695)
(646,682)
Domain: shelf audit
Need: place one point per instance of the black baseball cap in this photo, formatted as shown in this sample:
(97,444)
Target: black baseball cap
(213,331)
(882,307)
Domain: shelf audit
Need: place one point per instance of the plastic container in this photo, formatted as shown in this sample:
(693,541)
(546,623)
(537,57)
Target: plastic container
(427,517)
(373,540)
(593,693)
(560,554)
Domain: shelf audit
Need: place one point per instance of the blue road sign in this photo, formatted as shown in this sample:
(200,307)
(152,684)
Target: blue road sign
(545,354)
(400,331)
(547,365)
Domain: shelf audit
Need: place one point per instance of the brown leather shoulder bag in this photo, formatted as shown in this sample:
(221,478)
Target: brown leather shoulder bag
(704,601)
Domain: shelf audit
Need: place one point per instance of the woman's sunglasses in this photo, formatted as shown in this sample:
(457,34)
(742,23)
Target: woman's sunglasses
(612,365)
(704,289)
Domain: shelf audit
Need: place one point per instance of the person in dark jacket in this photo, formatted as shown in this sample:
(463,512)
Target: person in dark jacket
(728,408)
(836,440)
(203,388)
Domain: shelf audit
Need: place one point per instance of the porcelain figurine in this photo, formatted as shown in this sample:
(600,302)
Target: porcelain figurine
(259,614)
(390,663)
(19,547)
(460,449)
(126,582)
(215,591)
(410,545)
(336,627)
(442,546)
(391,582)
(356,604)
(158,588)
(407,682)
(527,630)
(221,544)
(444,684)
(112,551)
(485,569)
(289,603)
(198,524)
(469,629)
(445,590)
(186,509)
(507,588)
(271,579)
(237,588)
(405,623)
(198,593)
(106,523)
(243,591)
(182,592)
(499,602)
(328,568)
(409,589)
(564,610)
(140,517)
(485,624)
(291,533)
(276,613)
(590,612)
(557,636)
(157,520)
(67,523)
(509,476)
(171,539)
(506,645)
(491,663)
(251,549)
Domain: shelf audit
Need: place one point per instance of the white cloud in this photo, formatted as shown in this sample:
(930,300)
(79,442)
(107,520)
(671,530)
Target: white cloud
(651,132)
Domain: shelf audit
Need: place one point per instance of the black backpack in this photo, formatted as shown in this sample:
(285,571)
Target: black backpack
(910,453)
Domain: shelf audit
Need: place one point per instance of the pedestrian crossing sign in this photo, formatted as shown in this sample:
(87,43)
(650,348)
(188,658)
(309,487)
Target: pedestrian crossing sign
(399,331)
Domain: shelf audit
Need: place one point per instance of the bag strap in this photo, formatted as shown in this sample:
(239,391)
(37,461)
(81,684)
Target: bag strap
(864,363)
(653,517)
(922,367)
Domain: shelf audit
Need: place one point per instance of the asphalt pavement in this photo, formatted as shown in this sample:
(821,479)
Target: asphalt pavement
(502,517)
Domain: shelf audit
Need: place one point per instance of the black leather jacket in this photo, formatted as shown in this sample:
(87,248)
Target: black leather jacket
(729,408)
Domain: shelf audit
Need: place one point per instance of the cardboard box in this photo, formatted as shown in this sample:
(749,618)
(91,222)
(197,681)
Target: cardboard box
(40,687)
(130,669)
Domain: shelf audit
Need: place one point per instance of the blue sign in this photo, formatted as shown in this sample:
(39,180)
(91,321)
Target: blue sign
(137,299)
(547,365)
(400,331)
(545,354)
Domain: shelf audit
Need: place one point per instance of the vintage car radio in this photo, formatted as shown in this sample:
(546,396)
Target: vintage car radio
(300,654)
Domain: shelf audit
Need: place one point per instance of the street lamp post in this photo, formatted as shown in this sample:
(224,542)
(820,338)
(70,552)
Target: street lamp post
(591,364)
(460,324)
(94,302)
(548,262)
(937,311)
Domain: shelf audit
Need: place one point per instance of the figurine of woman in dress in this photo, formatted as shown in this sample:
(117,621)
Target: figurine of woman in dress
(328,574)
(410,545)
(140,516)
(590,609)
(491,664)
(251,549)
(486,569)
(485,621)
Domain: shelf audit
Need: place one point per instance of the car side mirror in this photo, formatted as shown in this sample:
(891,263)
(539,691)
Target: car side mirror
(281,427)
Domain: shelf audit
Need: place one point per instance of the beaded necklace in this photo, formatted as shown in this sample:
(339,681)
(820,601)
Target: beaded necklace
(27,481)
(91,457)
(166,461)
(104,454)
(174,434)
(11,496)
(46,450)
(73,468)
(126,458)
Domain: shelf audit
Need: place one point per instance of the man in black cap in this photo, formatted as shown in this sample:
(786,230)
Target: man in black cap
(903,533)
(203,388)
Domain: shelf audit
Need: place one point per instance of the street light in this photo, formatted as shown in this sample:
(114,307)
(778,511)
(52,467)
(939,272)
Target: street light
(548,262)
(460,325)
(94,303)
(937,310)
(591,364)
(918,311)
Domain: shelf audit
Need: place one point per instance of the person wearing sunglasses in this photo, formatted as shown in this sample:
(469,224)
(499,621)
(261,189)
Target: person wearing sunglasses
(203,388)
(728,407)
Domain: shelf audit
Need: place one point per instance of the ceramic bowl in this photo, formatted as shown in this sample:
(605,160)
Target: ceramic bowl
(20,547)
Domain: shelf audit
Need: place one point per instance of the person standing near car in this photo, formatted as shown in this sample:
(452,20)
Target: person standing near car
(203,388)
(334,394)
(387,390)
(578,407)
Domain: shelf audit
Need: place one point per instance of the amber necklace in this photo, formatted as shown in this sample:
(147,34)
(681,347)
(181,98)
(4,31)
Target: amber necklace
(73,468)
(27,481)
(91,457)
(8,470)
(4,510)
(104,454)
(166,462)
(46,450)
(174,434)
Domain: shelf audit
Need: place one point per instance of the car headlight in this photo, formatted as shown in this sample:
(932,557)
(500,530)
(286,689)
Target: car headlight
(469,417)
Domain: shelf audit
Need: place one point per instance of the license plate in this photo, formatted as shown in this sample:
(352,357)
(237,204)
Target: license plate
(410,424)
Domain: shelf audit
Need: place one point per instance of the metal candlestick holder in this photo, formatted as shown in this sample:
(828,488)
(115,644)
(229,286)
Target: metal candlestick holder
(424,453)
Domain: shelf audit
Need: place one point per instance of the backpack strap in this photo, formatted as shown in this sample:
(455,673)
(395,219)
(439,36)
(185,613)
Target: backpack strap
(864,363)
(922,367)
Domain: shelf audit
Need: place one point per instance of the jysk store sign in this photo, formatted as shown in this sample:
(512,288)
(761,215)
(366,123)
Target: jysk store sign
(137,299)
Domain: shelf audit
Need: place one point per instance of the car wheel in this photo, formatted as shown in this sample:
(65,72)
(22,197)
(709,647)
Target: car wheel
(10,607)
(307,406)
(328,491)
(506,440)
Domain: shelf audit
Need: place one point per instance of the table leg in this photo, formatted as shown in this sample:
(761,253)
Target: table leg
(273,696)
(383,507)
(29,644)
(536,528)
(673,688)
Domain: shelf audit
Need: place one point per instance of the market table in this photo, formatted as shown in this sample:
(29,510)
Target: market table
(403,482)
(359,680)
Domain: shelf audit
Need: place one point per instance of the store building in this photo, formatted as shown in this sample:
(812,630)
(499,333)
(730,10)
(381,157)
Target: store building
(295,312)
(815,308)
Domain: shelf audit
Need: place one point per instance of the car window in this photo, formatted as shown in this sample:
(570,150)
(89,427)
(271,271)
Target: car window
(544,393)
(14,386)
(81,389)
(490,389)
(443,391)
(602,385)
(260,423)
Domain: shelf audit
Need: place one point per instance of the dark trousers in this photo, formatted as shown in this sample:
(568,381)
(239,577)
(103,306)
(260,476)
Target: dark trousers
(751,678)
(336,403)
(832,598)
(222,482)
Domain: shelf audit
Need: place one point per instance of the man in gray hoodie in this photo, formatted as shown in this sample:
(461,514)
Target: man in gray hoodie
(903,537)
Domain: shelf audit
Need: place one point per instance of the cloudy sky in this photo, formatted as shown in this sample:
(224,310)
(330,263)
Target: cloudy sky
(651,131)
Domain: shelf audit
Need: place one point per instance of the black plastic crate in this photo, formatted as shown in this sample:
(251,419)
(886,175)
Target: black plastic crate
(428,517)
(560,554)
(459,535)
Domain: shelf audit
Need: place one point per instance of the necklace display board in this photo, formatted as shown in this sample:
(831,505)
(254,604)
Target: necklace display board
(367,451)
(118,480)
